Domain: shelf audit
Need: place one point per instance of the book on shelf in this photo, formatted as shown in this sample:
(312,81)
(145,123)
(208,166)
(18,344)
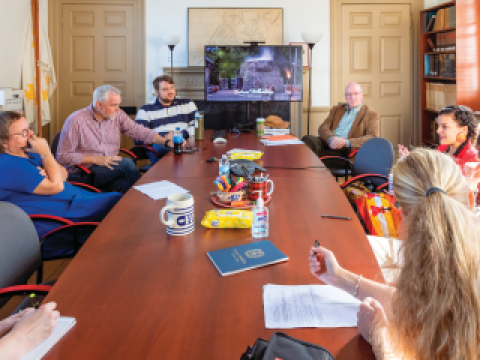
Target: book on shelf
(444,18)
(440,95)
(428,19)
(446,41)
(441,65)
(431,44)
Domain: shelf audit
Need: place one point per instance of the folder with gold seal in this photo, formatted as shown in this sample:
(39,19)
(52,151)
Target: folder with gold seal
(245,257)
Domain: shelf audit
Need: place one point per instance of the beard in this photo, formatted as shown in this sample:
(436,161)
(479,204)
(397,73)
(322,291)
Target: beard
(166,101)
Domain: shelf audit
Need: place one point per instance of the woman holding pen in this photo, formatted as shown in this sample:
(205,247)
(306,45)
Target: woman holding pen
(433,312)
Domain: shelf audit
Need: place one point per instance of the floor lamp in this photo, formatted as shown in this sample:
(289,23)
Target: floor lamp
(171,41)
(311,39)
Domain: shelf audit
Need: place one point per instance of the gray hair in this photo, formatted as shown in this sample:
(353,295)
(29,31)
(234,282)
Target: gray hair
(101,93)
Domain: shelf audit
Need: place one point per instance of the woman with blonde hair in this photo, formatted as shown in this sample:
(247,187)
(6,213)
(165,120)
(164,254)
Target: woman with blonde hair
(433,312)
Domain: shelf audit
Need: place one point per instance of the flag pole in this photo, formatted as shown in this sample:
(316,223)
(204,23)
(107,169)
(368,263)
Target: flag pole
(36,39)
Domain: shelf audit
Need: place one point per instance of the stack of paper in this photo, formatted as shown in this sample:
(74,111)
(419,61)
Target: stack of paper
(160,189)
(323,306)
(281,140)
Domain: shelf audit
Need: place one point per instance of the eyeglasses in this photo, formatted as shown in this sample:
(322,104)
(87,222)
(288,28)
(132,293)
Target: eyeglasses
(24,133)
(353,94)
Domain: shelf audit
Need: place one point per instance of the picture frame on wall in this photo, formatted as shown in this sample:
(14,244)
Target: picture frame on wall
(306,53)
(231,26)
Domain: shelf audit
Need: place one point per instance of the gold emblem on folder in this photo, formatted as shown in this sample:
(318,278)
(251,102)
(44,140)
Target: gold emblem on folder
(254,253)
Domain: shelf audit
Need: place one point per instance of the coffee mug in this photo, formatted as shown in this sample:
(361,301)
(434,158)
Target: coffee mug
(255,186)
(180,219)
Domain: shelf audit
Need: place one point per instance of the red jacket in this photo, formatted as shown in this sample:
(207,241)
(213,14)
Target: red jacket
(468,154)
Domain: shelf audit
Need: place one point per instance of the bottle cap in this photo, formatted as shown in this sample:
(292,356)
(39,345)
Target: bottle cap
(177,128)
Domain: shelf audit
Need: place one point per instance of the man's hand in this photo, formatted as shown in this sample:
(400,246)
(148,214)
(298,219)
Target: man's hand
(337,143)
(41,171)
(107,161)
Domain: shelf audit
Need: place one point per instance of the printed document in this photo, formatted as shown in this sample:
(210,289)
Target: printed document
(299,306)
(160,189)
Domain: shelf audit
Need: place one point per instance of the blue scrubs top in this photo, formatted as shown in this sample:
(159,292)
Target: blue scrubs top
(19,177)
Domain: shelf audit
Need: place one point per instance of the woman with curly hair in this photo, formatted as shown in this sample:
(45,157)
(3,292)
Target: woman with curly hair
(433,312)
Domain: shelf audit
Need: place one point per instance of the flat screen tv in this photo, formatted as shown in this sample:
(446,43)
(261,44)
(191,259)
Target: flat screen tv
(253,73)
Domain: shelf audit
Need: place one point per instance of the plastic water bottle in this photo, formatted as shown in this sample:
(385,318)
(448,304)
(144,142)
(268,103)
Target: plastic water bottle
(390,184)
(177,141)
(224,166)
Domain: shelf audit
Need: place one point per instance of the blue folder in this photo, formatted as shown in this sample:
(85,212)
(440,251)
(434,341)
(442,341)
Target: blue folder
(245,257)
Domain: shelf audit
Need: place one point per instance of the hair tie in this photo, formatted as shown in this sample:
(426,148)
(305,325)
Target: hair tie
(434,190)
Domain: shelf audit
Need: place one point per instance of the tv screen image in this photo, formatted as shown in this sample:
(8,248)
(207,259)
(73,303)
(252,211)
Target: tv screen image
(253,73)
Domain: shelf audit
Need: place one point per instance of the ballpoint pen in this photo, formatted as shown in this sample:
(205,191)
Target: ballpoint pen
(336,217)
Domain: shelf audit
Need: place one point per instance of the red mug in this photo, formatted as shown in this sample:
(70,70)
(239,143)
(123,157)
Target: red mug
(255,186)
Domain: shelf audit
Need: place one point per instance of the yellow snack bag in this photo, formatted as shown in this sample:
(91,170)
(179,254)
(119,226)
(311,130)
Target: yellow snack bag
(228,219)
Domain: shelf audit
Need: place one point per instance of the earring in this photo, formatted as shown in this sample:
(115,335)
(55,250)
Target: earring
(461,137)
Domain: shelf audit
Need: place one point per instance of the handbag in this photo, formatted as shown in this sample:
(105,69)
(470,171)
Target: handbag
(284,347)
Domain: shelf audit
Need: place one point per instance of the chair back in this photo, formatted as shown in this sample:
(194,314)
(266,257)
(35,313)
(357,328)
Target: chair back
(20,254)
(375,156)
(54,145)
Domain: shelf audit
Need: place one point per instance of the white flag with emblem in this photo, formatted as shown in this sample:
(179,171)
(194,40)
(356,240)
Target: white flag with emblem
(47,75)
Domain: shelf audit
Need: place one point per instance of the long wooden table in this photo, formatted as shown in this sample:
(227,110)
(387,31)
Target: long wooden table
(138,293)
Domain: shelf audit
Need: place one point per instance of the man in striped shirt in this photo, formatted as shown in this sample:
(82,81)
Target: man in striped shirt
(165,114)
(91,137)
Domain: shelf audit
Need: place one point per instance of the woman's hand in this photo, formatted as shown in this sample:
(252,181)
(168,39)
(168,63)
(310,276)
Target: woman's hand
(41,171)
(370,319)
(324,265)
(39,146)
(402,151)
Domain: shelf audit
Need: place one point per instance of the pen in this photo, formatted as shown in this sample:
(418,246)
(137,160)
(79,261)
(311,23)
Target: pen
(32,299)
(336,217)
(317,243)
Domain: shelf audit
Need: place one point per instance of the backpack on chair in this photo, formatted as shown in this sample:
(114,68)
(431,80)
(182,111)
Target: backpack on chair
(375,208)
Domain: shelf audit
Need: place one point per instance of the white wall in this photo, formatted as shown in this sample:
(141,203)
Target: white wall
(298,16)
(13,27)
(430,3)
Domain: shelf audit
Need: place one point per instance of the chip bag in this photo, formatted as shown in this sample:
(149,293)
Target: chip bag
(228,219)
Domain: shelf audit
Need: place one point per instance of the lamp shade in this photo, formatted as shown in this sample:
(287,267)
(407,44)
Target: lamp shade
(171,39)
(311,38)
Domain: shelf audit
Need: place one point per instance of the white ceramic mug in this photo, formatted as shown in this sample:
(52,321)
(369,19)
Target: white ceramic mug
(180,214)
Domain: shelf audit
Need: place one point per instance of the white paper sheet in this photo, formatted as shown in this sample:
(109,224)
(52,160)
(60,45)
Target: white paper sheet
(160,189)
(281,142)
(63,325)
(322,306)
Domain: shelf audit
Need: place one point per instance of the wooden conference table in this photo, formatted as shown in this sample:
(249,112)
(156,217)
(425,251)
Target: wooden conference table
(138,293)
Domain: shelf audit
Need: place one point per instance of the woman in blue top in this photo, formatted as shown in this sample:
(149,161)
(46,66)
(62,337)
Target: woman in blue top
(32,179)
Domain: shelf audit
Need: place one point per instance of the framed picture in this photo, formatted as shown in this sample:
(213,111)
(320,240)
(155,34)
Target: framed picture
(306,53)
(231,26)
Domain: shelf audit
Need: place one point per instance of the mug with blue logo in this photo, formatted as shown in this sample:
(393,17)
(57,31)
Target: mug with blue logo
(180,219)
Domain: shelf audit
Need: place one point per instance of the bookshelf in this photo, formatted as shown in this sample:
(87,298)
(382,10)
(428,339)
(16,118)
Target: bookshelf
(461,76)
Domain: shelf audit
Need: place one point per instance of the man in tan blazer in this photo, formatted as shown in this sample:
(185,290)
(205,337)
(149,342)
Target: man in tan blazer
(346,128)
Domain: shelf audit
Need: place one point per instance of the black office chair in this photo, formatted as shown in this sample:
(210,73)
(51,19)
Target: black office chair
(373,162)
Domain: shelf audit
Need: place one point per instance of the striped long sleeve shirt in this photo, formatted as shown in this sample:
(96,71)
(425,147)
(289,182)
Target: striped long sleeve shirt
(164,119)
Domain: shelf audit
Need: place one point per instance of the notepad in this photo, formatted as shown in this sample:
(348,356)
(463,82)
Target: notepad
(63,325)
(160,189)
(245,257)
